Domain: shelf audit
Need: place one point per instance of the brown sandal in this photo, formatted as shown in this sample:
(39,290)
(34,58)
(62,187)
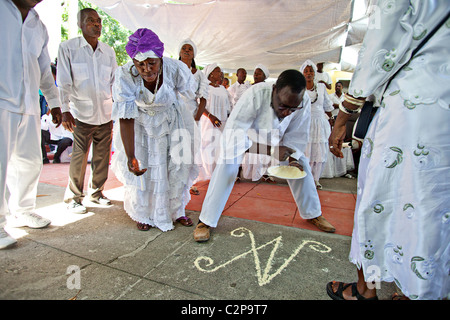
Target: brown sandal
(397,296)
(143,226)
(194,191)
(185,221)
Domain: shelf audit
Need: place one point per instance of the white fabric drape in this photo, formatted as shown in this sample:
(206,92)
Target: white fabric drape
(279,34)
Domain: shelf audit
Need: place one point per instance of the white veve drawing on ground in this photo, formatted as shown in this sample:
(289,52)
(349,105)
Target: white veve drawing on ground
(264,276)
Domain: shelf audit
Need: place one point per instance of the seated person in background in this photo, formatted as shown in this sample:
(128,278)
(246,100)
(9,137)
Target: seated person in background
(54,135)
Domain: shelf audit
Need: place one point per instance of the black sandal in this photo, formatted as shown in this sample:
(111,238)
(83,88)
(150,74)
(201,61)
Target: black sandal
(185,221)
(338,295)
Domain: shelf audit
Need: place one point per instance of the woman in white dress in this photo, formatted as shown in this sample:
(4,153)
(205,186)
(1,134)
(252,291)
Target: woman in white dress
(402,215)
(150,118)
(321,107)
(218,107)
(254,166)
(188,51)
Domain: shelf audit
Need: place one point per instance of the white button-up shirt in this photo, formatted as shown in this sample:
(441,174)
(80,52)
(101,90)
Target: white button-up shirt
(254,112)
(24,62)
(85,78)
(237,89)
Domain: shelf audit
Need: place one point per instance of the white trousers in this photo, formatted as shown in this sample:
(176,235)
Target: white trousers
(222,181)
(20,162)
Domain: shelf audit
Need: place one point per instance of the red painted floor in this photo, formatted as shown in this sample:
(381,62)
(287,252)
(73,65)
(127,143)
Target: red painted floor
(265,202)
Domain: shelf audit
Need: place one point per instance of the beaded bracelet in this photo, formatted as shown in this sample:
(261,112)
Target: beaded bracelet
(353,101)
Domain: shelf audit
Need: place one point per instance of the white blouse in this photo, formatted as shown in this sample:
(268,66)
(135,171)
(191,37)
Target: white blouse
(219,102)
(130,94)
(201,91)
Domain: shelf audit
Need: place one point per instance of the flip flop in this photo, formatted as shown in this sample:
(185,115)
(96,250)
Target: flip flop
(194,191)
(185,221)
(338,295)
(397,296)
(269,179)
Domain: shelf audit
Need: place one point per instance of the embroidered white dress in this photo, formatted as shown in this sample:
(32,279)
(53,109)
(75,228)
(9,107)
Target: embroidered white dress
(219,105)
(160,195)
(317,148)
(402,216)
(201,91)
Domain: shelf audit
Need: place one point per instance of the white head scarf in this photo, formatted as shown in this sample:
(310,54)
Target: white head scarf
(188,41)
(264,69)
(308,63)
(142,56)
(210,68)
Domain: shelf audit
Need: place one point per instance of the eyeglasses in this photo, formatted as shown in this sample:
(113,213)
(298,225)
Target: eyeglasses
(283,107)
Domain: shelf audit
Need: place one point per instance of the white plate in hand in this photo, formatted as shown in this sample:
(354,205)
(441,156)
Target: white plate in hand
(286,172)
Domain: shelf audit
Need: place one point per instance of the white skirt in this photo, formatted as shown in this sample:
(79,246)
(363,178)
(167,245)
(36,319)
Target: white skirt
(160,195)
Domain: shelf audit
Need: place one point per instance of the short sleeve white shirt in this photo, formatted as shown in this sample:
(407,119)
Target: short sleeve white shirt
(85,78)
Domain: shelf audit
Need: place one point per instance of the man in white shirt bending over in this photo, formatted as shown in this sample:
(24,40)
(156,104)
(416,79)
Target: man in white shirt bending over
(85,77)
(283,112)
(24,69)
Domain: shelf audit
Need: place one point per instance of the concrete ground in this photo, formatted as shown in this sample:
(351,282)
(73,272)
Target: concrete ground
(102,256)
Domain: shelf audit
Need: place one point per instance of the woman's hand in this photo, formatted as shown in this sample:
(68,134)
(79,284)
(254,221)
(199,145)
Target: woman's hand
(283,153)
(337,138)
(214,120)
(133,167)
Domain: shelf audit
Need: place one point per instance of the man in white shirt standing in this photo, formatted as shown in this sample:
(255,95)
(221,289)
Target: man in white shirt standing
(336,97)
(85,77)
(24,69)
(240,86)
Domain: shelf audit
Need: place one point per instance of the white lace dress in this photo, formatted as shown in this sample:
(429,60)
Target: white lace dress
(160,195)
(218,104)
(201,91)
(320,130)
(402,216)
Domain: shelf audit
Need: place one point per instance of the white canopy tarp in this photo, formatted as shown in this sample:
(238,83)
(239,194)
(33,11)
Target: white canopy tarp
(281,34)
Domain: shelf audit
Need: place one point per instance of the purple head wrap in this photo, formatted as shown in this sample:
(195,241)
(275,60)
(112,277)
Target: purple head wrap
(144,40)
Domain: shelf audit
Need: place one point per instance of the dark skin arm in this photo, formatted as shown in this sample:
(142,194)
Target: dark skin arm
(284,153)
(56,116)
(127,135)
(68,122)
(338,133)
(214,120)
(201,109)
(326,84)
